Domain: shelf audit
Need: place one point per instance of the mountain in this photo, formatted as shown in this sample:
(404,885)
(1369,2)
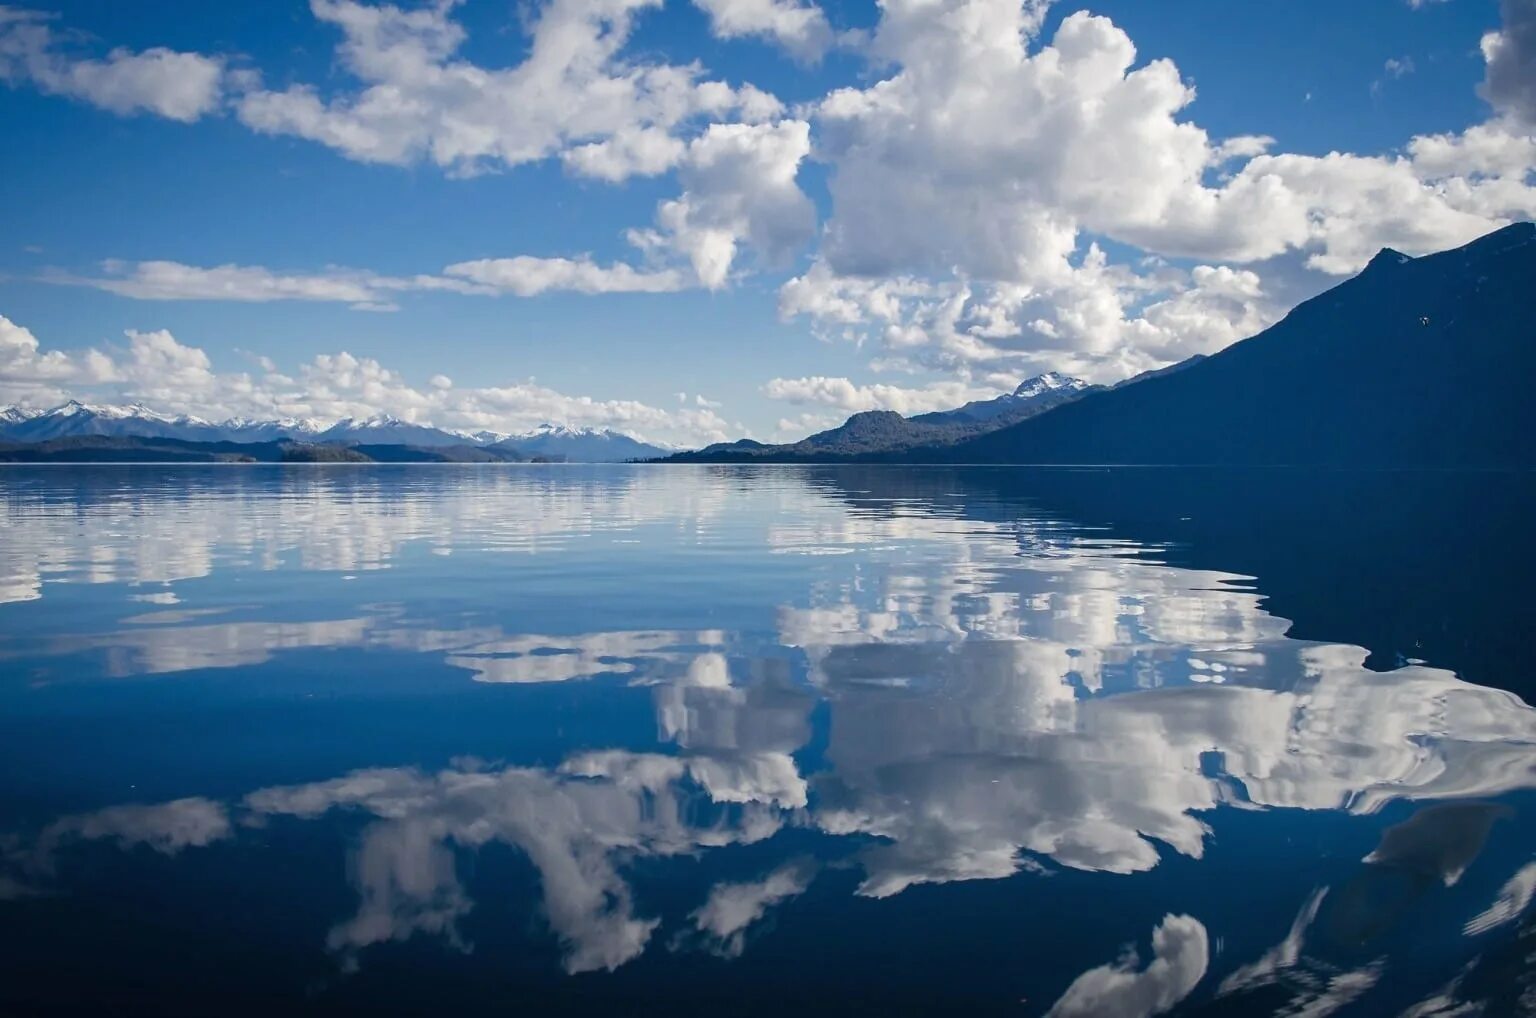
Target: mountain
(1421,362)
(138,449)
(382,429)
(12,415)
(581,445)
(743,446)
(485,437)
(1034,395)
(550,442)
(245,429)
(885,432)
(75,419)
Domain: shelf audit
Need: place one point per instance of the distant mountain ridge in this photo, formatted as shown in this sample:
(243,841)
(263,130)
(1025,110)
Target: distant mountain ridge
(134,449)
(1034,394)
(75,419)
(884,432)
(580,445)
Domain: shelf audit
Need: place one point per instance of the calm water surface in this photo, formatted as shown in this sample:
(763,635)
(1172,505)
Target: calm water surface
(639,740)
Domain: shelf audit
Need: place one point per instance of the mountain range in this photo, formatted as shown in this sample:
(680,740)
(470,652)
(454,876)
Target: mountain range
(1415,362)
(76,420)
(885,431)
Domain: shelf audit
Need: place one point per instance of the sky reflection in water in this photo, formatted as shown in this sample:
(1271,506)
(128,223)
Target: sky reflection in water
(1002,740)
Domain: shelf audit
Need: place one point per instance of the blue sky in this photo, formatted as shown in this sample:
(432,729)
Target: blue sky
(825,209)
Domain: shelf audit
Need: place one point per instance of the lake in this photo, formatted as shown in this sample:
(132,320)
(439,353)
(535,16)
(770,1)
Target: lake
(731,740)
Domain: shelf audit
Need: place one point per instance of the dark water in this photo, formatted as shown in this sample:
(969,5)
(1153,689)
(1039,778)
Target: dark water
(628,740)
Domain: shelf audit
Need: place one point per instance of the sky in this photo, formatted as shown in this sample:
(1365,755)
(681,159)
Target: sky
(698,220)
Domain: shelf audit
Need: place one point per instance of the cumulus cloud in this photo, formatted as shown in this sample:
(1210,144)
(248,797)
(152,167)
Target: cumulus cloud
(1510,52)
(1020,148)
(845,395)
(30,376)
(792,429)
(801,28)
(179,86)
(156,368)
(965,183)
(1180,954)
(739,186)
(1093,319)
(418,100)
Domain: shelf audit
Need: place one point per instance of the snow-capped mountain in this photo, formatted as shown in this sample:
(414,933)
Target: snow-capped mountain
(583,445)
(1036,393)
(15,415)
(485,437)
(383,429)
(247,429)
(76,419)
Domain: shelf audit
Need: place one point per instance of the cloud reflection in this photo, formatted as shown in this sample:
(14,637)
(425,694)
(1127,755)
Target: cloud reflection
(957,700)
(1123,989)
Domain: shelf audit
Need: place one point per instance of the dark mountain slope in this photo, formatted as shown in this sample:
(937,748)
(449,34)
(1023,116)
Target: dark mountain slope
(1415,362)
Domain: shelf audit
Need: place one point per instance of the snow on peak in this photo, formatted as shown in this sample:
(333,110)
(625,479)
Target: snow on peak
(1048,382)
(381,421)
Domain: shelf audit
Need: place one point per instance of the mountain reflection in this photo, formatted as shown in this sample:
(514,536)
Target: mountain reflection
(980,686)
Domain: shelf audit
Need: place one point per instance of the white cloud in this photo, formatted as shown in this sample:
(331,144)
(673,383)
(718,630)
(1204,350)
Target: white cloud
(738,186)
(965,182)
(180,86)
(628,152)
(1395,67)
(417,100)
(156,368)
(1510,52)
(792,429)
(801,28)
(525,276)
(1180,954)
(981,156)
(1093,320)
(167,280)
(27,375)
(845,395)
(521,276)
